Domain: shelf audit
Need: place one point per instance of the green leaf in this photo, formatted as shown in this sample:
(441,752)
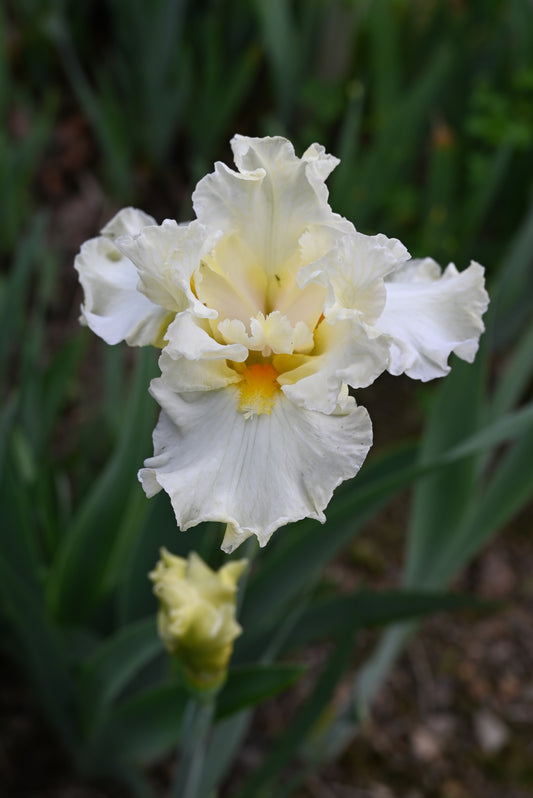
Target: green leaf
(113,665)
(439,504)
(247,686)
(491,505)
(508,427)
(509,489)
(58,381)
(140,729)
(327,617)
(298,558)
(261,782)
(39,648)
(79,576)
(385,63)
(511,295)
(441,499)
(7,416)
(15,294)
(398,139)
(515,377)
(282,48)
(505,494)
(480,201)
(19,544)
(134,595)
(226,740)
(348,143)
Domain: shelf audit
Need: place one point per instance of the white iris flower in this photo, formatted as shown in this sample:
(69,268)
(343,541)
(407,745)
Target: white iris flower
(267,307)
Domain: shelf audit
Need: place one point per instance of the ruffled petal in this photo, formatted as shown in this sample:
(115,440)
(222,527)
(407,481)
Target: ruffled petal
(186,376)
(295,302)
(166,257)
(193,361)
(188,337)
(113,307)
(272,333)
(353,273)
(344,353)
(253,474)
(429,315)
(270,201)
(128,221)
(231,280)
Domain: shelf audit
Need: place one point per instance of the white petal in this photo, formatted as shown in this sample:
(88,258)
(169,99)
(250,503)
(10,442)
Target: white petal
(428,316)
(272,333)
(234,332)
(113,307)
(302,337)
(268,334)
(188,337)
(193,361)
(231,280)
(196,375)
(286,295)
(254,474)
(416,271)
(128,221)
(353,272)
(344,353)
(321,164)
(270,201)
(166,257)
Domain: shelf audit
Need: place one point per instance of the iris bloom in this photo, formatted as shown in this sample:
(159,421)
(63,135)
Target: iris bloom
(267,308)
(196,618)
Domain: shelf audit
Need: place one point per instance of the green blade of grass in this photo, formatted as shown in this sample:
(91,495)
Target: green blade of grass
(249,685)
(515,377)
(16,291)
(116,661)
(505,494)
(40,649)
(367,609)
(77,578)
(298,559)
(440,499)
(262,781)
(511,294)
(139,729)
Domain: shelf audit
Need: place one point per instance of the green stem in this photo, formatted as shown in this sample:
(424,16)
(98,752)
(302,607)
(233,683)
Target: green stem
(196,728)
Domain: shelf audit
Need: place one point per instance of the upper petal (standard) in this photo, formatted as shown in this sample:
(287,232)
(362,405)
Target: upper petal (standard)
(271,200)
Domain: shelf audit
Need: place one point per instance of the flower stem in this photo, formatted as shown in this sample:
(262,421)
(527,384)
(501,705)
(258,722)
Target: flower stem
(196,728)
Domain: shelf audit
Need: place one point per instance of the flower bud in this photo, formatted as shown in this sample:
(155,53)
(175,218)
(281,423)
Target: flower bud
(196,618)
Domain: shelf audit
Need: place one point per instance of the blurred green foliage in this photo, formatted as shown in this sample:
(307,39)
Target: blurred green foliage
(429,104)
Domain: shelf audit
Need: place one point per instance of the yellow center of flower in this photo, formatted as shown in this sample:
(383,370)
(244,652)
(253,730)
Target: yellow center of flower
(258,389)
